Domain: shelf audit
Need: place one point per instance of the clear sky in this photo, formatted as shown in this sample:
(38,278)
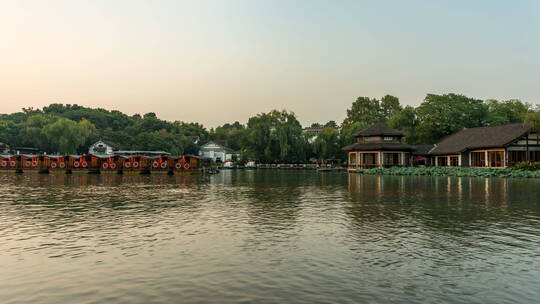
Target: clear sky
(220,61)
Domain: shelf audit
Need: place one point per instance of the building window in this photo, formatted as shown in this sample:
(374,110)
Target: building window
(515,157)
(496,159)
(352,158)
(478,159)
(392,159)
(454,161)
(534,156)
(369,160)
(388,138)
(442,161)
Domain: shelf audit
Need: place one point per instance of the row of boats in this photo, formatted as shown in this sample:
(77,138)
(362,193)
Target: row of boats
(98,164)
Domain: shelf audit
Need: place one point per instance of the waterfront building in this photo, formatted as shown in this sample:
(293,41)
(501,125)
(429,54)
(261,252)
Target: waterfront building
(4,148)
(378,146)
(488,147)
(313,130)
(217,152)
(102,147)
(421,156)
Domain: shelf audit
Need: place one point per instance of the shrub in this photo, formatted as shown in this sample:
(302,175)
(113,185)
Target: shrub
(529,166)
(449,171)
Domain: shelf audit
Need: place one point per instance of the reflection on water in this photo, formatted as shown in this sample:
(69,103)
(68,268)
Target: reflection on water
(268,237)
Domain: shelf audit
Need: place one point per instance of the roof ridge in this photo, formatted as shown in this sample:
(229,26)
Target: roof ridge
(494,126)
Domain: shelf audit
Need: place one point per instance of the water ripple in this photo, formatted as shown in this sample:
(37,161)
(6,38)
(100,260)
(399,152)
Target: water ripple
(268,237)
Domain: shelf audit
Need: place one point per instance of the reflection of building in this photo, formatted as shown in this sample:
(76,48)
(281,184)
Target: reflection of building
(217,152)
(493,147)
(102,147)
(378,146)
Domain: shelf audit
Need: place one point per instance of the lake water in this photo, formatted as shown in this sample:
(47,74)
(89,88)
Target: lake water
(268,237)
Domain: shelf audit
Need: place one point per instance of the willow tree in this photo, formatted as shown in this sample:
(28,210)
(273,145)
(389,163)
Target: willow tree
(67,136)
(327,144)
(34,131)
(274,137)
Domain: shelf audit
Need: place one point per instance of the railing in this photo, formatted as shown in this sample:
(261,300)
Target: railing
(363,166)
(372,166)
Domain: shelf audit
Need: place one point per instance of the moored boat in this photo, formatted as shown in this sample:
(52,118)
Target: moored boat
(8,163)
(113,164)
(60,164)
(136,164)
(162,164)
(187,164)
(84,164)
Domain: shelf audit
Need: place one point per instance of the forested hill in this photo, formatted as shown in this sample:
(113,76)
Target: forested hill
(73,128)
(276,136)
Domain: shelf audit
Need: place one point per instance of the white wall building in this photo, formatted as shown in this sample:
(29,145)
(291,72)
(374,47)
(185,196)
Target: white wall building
(217,152)
(102,148)
(4,148)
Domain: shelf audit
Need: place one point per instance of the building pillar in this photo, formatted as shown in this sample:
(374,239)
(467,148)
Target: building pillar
(527,156)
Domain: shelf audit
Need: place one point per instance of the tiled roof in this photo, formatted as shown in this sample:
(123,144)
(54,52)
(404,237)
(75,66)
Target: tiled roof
(422,149)
(378,147)
(478,138)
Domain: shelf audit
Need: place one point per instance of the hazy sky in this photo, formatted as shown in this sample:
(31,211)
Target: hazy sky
(221,61)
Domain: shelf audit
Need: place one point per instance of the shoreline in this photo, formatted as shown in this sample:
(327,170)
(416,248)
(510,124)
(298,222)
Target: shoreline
(458,172)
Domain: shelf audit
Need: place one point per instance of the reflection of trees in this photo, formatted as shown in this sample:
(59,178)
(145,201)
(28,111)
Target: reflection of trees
(272,199)
(93,210)
(441,203)
(437,225)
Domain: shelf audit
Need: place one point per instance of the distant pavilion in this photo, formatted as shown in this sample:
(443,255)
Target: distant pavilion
(378,146)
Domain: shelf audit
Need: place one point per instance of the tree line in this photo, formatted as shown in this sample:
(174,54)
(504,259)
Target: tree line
(273,137)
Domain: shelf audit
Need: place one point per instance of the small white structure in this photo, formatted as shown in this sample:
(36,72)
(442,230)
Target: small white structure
(4,148)
(217,152)
(102,147)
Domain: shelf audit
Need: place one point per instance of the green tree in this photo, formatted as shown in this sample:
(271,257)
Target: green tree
(370,111)
(327,144)
(231,134)
(160,141)
(34,131)
(10,132)
(407,122)
(331,124)
(67,136)
(189,129)
(532,118)
(365,110)
(442,115)
(346,136)
(504,112)
(390,106)
(275,137)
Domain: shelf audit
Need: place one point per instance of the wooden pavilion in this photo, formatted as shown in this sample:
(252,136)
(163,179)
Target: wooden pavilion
(378,146)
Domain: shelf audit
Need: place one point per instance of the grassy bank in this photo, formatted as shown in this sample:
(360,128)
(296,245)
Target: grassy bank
(437,171)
